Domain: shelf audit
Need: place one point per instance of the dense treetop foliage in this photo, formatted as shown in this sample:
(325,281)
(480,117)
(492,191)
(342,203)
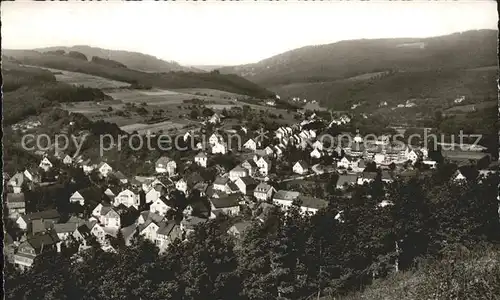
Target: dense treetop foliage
(293,256)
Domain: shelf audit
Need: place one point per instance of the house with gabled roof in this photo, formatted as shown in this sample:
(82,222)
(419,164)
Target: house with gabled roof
(166,165)
(264,165)
(45,164)
(221,184)
(237,172)
(181,185)
(250,145)
(300,167)
(167,233)
(64,230)
(161,206)
(284,199)
(346,180)
(201,159)
(67,160)
(127,198)
(77,198)
(34,247)
(228,205)
(311,205)
(16,182)
(246,185)
(263,191)
(154,193)
(49,216)
(344,163)
(148,230)
(104,169)
(16,205)
(215,138)
(219,148)
(315,153)
(251,166)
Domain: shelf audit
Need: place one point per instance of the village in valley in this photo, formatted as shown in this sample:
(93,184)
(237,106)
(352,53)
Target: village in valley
(295,164)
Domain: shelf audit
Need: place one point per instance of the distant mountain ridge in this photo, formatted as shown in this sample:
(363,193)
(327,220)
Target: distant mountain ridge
(133,60)
(344,59)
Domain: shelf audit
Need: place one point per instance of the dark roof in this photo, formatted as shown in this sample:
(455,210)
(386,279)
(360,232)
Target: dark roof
(251,162)
(221,180)
(248,181)
(263,187)
(84,230)
(369,175)
(228,201)
(128,231)
(312,202)
(347,179)
(41,240)
(233,187)
(92,194)
(46,214)
(65,227)
(464,155)
(303,164)
(166,227)
(192,221)
(286,195)
(119,175)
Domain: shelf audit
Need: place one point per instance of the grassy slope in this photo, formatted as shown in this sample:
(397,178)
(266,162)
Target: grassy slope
(398,87)
(463,275)
(172,80)
(354,57)
(133,60)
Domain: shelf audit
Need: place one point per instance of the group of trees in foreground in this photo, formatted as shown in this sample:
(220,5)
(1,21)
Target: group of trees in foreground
(342,249)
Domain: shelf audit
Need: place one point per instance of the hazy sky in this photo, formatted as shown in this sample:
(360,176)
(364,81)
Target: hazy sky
(230,32)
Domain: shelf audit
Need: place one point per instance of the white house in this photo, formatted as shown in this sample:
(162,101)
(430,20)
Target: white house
(278,152)
(315,153)
(181,185)
(109,218)
(317,145)
(264,165)
(77,198)
(284,199)
(263,191)
(160,206)
(214,119)
(215,138)
(201,159)
(45,164)
(219,148)
(344,163)
(250,145)
(127,198)
(237,172)
(379,158)
(153,194)
(148,231)
(246,184)
(300,167)
(67,160)
(166,165)
(221,184)
(459,176)
(104,169)
(99,233)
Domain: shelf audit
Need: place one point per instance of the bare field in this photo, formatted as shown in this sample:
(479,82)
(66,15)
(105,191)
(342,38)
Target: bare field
(86,80)
(153,128)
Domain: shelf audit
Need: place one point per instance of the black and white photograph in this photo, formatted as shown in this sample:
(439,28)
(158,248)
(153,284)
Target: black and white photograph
(250,150)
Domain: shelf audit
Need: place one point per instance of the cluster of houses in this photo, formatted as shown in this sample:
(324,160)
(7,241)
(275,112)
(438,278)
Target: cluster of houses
(153,201)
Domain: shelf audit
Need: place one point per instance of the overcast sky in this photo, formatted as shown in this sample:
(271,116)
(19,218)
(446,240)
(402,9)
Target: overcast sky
(230,33)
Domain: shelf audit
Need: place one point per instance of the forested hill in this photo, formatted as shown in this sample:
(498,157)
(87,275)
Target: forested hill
(344,59)
(111,69)
(133,60)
